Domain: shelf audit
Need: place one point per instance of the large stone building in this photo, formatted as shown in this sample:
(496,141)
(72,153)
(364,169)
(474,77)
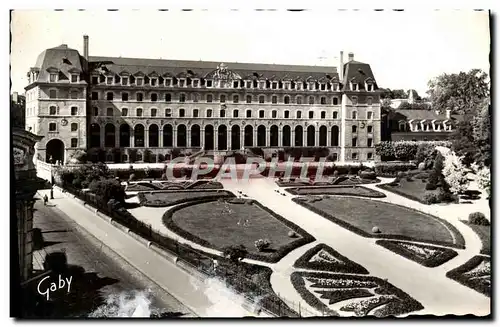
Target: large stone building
(125,106)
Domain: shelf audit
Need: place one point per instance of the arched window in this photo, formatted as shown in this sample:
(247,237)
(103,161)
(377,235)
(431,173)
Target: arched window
(286,99)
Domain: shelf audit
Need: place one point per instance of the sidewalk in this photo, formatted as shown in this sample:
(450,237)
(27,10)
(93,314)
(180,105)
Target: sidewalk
(437,293)
(186,288)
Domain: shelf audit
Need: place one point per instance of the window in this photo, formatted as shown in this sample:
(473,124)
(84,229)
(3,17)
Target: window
(95,111)
(299,114)
(154,112)
(311,100)
(335,115)
(369,156)
(139,81)
(182,97)
(274,99)
(168,97)
(182,113)
(222,98)
(196,83)
(182,82)
(74,111)
(354,156)
(196,113)
(369,115)
(354,129)
(153,81)
(74,142)
(369,129)
(261,99)
(323,99)
(95,80)
(354,86)
(354,115)
(222,113)
(236,99)
(299,100)
(124,96)
(53,78)
(209,113)
(354,141)
(195,97)
(139,97)
(369,143)
(311,114)
(323,114)
(275,85)
(210,98)
(249,99)
(138,112)
(249,113)
(109,96)
(109,80)
(248,84)
(74,127)
(261,114)
(95,96)
(109,112)
(369,87)
(124,80)
(52,110)
(323,87)
(73,94)
(209,83)
(52,94)
(274,114)
(287,114)
(124,112)
(354,101)
(286,99)
(335,101)
(369,101)
(235,113)
(235,84)
(52,127)
(168,112)
(168,82)
(154,97)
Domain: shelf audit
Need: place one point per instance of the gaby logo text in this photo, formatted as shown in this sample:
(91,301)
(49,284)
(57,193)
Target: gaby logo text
(45,287)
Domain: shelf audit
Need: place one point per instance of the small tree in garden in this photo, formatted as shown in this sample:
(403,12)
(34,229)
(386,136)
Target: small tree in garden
(262,245)
(108,189)
(235,253)
(483,178)
(455,174)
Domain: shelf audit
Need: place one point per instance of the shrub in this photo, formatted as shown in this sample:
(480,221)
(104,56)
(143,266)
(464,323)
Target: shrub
(478,218)
(421,175)
(447,196)
(262,244)
(430,198)
(132,177)
(401,174)
(409,178)
(390,169)
(368,175)
(430,186)
(235,253)
(108,189)
(407,150)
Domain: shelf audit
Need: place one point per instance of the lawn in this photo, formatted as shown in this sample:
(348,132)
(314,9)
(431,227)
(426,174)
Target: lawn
(484,233)
(394,221)
(218,224)
(475,274)
(170,198)
(337,190)
(413,190)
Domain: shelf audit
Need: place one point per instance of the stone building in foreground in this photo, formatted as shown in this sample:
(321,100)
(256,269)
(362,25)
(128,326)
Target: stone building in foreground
(125,106)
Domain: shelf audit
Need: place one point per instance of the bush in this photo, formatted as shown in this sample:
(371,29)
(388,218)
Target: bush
(262,245)
(478,218)
(390,169)
(430,186)
(108,189)
(407,150)
(409,178)
(132,177)
(446,196)
(430,198)
(368,175)
(421,176)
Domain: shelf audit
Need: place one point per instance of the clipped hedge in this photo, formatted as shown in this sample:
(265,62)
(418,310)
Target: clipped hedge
(458,274)
(391,169)
(144,201)
(437,260)
(345,266)
(330,190)
(304,238)
(405,150)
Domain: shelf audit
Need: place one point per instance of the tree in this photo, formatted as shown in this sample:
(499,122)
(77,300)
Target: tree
(235,253)
(399,94)
(462,92)
(462,142)
(481,134)
(108,189)
(455,174)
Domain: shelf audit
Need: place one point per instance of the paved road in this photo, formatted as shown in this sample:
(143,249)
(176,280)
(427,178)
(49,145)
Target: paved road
(61,233)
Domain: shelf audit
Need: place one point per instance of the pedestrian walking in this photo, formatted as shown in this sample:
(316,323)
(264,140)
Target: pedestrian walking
(45,199)
(52,194)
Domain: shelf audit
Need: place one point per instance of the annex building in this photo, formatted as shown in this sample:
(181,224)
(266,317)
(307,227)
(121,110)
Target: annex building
(124,106)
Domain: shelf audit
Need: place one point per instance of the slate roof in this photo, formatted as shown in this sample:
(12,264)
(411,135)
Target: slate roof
(203,68)
(358,72)
(419,114)
(62,58)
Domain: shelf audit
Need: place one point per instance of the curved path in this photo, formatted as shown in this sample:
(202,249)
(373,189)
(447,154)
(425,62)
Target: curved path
(438,294)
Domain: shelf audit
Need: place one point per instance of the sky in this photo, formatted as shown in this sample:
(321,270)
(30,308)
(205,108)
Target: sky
(405,49)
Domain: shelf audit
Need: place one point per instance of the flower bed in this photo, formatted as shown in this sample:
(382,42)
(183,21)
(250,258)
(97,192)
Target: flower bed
(323,257)
(426,255)
(337,190)
(218,224)
(178,185)
(341,180)
(369,295)
(394,221)
(170,198)
(475,274)
(484,233)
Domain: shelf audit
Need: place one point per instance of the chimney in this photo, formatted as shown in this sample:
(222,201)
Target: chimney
(341,69)
(448,113)
(351,56)
(86,47)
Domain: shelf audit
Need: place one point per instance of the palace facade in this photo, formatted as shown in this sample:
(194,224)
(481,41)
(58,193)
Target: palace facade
(125,106)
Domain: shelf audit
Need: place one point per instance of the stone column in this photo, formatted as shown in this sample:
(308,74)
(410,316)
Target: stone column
(188,137)
(242,136)
(117,138)
(316,137)
(268,137)
(254,143)
(174,137)
(202,137)
(280,137)
(102,136)
(304,136)
(132,139)
(216,138)
(146,138)
(229,138)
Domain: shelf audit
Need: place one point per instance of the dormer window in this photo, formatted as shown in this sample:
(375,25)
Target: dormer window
(275,85)
(236,84)
(182,82)
(109,80)
(153,81)
(354,87)
(323,87)
(139,81)
(369,87)
(335,87)
(53,77)
(196,82)
(168,82)
(248,84)
(124,80)
(74,78)
(209,83)
(311,86)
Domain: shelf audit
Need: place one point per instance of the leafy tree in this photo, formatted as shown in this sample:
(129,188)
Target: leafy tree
(462,92)
(235,253)
(108,189)
(399,94)
(455,174)
(463,143)
(481,133)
